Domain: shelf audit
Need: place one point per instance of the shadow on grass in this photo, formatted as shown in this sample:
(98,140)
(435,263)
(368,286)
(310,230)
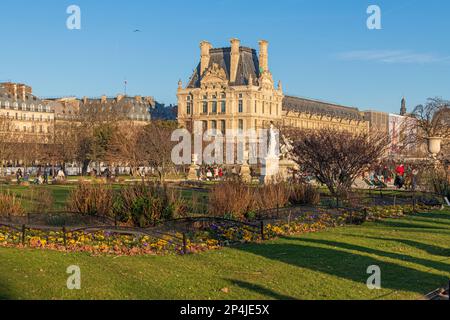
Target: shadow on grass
(424,262)
(406,225)
(428,248)
(444,215)
(349,266)
(259,289)
(5,293)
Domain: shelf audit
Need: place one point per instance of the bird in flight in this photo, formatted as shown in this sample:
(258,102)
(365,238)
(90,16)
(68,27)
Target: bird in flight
(137,30)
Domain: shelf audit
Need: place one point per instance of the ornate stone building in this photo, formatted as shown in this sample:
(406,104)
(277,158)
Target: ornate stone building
(26,117)
(233,88)
(313,114)
(136,109)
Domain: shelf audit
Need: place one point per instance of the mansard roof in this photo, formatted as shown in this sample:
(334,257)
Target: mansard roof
(6,95)
(248,66)
(304,105)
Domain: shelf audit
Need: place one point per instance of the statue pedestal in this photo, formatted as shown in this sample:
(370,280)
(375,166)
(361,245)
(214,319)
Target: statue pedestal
(245,173)
(270,170)
(192,175)
(193,169)
(285,167)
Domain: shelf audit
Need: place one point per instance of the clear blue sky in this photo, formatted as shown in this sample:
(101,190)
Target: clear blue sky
(319,49)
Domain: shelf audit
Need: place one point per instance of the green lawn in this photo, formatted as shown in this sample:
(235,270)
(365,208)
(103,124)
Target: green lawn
(61,193)
(413,254)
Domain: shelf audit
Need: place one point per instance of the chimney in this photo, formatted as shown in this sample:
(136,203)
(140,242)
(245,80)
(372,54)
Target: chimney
(234,59)
(263,56)
(15,91)
(205,46)
(23,91)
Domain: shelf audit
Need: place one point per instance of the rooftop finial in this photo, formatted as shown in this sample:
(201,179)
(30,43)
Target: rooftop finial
(403,107)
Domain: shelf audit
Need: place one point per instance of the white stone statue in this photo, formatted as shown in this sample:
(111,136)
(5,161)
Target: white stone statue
(272,150)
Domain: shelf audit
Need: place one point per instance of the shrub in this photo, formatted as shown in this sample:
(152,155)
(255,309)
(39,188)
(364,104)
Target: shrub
(441,185)
(145,204)
(237,200)
(232,199)
(10,206)
(91,199)
(304,194)
(274,195)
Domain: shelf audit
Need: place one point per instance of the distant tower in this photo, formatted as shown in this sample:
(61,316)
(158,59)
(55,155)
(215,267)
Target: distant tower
(403,108)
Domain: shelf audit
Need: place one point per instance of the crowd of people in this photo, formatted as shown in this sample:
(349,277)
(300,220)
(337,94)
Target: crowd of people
(217,173)
(43,175)
(399,175)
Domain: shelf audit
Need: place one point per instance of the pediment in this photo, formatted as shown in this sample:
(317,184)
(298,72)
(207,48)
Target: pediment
(214,74)
(266,80)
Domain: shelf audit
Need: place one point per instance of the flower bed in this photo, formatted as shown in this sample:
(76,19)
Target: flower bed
(102,242)
(212,237)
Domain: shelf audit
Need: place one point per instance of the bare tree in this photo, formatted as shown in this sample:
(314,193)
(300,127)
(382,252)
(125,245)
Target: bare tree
(156,144)
(433,119)
(124,145)
(6,146)
(336,158)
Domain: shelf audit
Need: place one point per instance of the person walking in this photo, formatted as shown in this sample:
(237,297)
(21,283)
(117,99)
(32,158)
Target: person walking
(19,175)
(45,176)
(400,173)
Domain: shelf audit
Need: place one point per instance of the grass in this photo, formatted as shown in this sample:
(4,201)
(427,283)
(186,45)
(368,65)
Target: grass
(413,254)
(61,193)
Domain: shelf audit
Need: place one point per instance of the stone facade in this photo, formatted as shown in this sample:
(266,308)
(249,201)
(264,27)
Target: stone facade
(136,109)
(379,121)
(313,115)
(29,119)
(233,88)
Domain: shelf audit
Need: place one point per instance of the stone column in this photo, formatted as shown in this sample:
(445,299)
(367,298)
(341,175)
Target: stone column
(270,170)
